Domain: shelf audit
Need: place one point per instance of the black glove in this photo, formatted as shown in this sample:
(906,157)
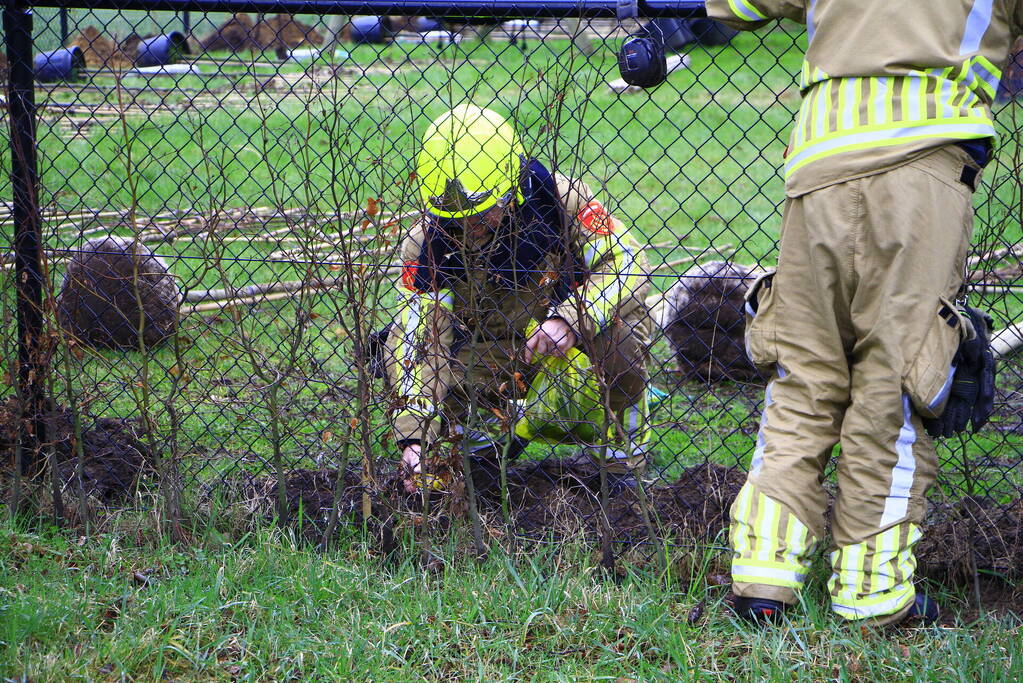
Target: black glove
(972,396)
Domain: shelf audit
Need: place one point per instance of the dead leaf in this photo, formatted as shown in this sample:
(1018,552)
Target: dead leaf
(373,206)
(326,436)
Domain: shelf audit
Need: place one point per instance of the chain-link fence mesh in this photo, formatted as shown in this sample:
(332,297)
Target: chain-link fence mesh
(237,312)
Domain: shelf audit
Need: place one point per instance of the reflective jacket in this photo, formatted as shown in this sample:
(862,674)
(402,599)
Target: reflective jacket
(885,81)
(560,254)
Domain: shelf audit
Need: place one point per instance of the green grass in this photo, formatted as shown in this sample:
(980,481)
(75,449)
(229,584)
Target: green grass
(120,606)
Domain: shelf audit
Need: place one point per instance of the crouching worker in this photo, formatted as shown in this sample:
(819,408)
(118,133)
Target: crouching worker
(524,312)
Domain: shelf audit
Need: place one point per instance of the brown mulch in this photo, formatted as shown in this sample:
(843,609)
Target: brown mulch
(113,457)
(103,53)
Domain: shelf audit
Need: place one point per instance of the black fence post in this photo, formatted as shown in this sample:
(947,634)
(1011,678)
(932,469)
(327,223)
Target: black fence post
(186,23)
(63,25)
(27,232)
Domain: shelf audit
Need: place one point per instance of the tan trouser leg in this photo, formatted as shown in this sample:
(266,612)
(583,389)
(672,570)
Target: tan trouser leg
(861,271)
(917,221)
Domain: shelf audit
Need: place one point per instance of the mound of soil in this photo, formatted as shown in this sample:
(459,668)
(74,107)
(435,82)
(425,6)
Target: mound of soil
(105,283)
(284,30)
(703,317)
(103,53)
(240,33)
(113,457)
(237,34)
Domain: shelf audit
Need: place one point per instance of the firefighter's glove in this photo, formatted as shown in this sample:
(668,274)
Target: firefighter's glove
(972,395)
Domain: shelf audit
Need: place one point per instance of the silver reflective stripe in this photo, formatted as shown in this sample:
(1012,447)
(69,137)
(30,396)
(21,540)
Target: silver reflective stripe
(896,505)
(408,341)
(945,388)
(880,104)
(744,571)
(976,26)
(950,130)
(980,71)
(744,10)
(810,28)
(890,606)
(851,88)
(758,452)
(915,83)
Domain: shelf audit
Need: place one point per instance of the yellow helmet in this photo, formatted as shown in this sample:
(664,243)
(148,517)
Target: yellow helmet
(470,161)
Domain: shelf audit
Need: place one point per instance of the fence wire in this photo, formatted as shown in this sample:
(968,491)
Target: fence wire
(231,228)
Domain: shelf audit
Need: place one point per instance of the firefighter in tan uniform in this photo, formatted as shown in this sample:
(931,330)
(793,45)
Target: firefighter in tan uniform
(524,300)
(859,325)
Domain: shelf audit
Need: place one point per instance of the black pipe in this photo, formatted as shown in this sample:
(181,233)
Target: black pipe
(27,233)
(186,23)
(63,25)
(429,8)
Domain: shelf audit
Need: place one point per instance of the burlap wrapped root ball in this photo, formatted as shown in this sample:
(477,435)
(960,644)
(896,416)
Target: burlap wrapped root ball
(103,286)
(702,316)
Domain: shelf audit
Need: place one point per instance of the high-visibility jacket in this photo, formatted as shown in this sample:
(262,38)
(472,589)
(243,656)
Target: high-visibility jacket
(884,82)
(516,278)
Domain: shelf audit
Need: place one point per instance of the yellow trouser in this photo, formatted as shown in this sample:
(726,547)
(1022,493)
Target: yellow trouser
(858,327)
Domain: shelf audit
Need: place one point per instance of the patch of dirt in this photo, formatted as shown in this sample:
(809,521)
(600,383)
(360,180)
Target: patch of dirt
(113,457)
(558,498)
(980,528)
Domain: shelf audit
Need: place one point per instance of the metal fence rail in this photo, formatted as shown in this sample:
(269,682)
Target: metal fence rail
(208,207)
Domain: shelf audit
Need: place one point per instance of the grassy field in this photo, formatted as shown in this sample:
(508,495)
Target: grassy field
(124,606)
(693,165)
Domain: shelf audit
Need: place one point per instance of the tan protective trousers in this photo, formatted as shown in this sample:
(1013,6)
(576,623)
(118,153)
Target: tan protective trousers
(858,327)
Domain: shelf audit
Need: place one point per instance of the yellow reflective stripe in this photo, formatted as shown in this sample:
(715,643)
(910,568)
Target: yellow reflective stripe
(878,607)
(882,578)
(797,539)
(772,574)
(987,74)
(760,555)
(767,539)
(738,532)
(872,113)
(867,137)
(622,280)
(745,10)
(889,584)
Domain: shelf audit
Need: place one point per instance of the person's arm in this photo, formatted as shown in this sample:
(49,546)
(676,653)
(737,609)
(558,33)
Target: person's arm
(421,364)
(612,257)
(748,15)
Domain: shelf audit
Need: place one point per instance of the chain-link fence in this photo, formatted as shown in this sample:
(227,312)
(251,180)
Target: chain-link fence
(223,292)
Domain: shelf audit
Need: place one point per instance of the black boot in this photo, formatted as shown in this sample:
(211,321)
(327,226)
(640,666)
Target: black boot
(759,610)
(923,612)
